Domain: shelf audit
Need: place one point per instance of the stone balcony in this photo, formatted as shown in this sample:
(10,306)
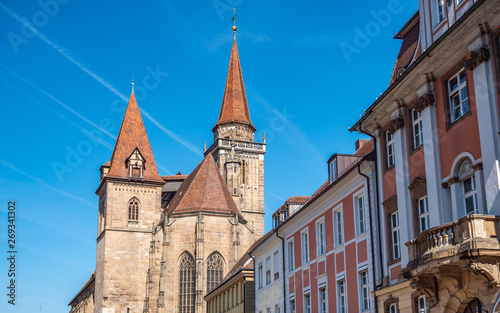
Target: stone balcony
(455,251)
(243,146)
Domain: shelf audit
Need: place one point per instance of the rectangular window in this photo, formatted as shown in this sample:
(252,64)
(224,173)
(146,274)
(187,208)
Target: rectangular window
(305,248)
(276,261)
(416,118)
(395,236)
(458,98)
(422,305)
(261,273)
(290,256)
(268,310)
(268,270)
(323,306)
(339,234)
(389,143)
(470,196)
(360,210)
(423,214)
(276,308)
(307,303)
(292,305)
(393,308)
(341,297)
(320,237)
(333,171)
(364,294)
(440,7)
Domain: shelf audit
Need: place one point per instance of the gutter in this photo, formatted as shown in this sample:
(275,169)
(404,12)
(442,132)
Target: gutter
(426,53)
(379,237)
(371,236)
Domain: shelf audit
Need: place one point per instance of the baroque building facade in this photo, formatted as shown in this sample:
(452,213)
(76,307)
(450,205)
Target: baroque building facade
(164,242)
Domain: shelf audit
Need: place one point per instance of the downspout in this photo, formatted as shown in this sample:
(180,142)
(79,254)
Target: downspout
(283,263)
(376,210)
(375,287)
(254,285)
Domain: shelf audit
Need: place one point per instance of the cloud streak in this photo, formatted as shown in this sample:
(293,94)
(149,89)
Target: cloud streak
(99,79)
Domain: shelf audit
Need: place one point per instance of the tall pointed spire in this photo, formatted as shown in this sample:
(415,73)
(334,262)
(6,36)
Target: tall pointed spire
(133,137)
(234,104)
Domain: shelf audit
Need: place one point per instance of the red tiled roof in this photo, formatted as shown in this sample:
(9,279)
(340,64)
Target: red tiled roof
(234,103)
(174,177)
(408,47)
(203,190)
(366,148)
(133,135)
(298,199)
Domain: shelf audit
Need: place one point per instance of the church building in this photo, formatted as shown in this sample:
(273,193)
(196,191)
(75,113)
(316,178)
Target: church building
(163,242)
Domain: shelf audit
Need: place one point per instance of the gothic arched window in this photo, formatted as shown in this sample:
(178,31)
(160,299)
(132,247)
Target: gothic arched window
(186,283)
(215,270)
(133,209)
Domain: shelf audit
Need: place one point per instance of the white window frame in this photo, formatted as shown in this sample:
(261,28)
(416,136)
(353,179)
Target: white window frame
(342,294)
(338,226)
(268,270)
(277,308)
(470,194)
(276,267)
(260,273)
(292,303)
(322,303)
(422,305)
(291,256)
(456,93)
(304,238)
(440,16)
(389,149)
(307,298)
(423,214)
(364,290)
(360,213)
(320,237)
(395,235)
(416,119)
(333,170)
(393,308)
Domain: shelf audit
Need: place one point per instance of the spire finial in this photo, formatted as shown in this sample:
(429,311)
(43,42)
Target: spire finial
(234,24)
(205,147)
(133,83)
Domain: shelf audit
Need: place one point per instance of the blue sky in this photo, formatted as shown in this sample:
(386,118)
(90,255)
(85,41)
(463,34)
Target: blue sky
(65,70)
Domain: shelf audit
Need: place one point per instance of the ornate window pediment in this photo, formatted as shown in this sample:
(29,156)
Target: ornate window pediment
(465,169)
(136,164)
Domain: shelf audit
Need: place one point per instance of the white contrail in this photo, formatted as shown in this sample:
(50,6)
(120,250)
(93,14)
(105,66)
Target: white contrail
(57,100)
(42,182)
(95,76)
(276,196)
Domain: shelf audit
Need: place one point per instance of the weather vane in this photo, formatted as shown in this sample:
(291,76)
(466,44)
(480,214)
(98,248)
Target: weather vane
(133,83)
(234,24)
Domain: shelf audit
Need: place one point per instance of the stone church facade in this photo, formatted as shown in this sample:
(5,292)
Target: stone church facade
(164,242)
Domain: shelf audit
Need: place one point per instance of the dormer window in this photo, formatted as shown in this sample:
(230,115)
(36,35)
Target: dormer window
(333,170)
(135,164)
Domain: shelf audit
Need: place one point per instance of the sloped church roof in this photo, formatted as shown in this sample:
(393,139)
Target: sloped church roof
(203,190)
(133,135)
(234,107)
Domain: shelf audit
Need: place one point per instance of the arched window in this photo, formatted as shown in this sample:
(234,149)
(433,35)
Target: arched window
(475,306)
(469,189)
(133,209)
(215,270)
(186,283)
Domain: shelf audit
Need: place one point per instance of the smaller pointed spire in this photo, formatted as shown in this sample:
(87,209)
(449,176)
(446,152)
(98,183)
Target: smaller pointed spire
(205,147)
(264,137)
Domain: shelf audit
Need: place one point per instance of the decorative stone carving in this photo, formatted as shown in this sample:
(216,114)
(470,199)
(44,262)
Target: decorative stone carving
(396,124)
(476,58)
(423,102)
(427,286)
(465,169)
(489,271)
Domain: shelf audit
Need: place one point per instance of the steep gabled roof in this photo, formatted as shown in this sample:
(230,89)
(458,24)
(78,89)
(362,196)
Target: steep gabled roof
(234,104)
(133,135)
(203,190)
(409,34)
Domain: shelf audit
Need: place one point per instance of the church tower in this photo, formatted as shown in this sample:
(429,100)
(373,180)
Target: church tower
(129,206)
(239,157)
